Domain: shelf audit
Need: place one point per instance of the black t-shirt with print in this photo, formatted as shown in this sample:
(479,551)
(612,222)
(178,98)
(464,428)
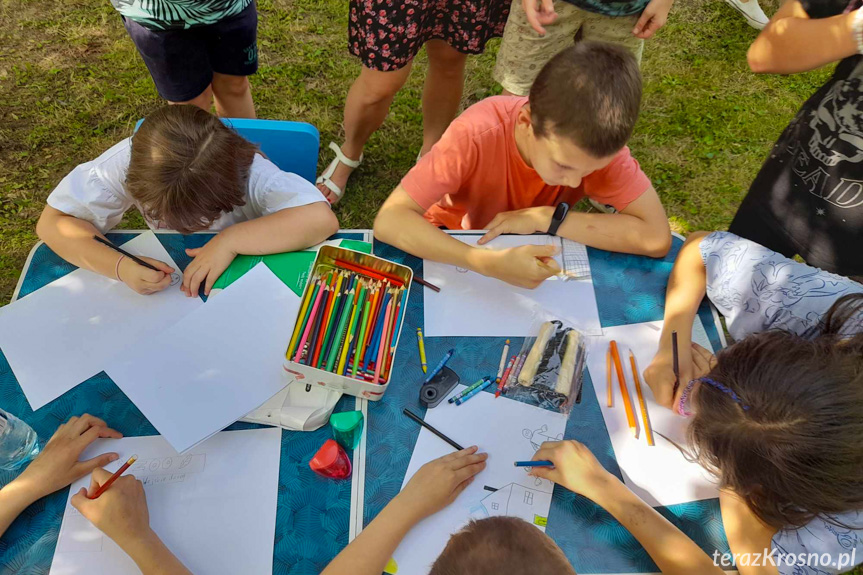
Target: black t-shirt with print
(811,186)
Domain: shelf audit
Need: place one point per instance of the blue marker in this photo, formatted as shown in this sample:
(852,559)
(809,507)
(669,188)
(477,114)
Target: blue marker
(468,390)
(439,367)
(461,400)
(541,463)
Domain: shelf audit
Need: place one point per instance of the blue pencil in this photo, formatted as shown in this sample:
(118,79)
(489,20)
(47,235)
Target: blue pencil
(401,297)
(376,335)
(479,389)
(540,463)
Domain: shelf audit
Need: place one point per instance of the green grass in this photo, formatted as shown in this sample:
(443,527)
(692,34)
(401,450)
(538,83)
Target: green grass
(71,85)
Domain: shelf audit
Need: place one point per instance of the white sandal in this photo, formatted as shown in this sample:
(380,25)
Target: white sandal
(328,173)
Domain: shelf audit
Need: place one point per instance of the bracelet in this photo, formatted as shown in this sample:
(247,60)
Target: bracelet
(858,29)
(117,268)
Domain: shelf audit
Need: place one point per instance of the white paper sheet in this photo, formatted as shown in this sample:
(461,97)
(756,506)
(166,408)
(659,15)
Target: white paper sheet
(214,507)
(65,332)
(660,474)
(214,366)
(508,431)
(470,304)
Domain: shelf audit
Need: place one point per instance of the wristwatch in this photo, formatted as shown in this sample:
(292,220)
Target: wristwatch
(559,215)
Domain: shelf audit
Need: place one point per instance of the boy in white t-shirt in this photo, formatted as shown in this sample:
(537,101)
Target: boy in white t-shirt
(186,171)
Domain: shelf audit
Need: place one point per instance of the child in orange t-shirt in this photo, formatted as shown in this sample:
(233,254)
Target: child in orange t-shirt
(507,163)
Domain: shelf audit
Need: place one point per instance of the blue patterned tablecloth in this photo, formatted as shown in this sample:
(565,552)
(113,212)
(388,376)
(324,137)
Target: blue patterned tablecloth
(629,289)
(313,515)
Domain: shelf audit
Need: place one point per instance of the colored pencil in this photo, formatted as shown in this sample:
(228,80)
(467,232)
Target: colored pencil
(419,420)
(308,327)
(383,344)
(644,416)
(339,332)
(422,347)
(113,478)
(675,359)
(399,317)
(358,350)
(502,362)
(352,326)
(316,326)
(608,377)
(374,344)
(387,345)
(624,390)
(371,319)
(421,281)
(377,274)
(538,463)
(331,340)
(505,377)
(440,365)
(119,250)
(468,389)
(307,297)
(318,335)
(361,303)
(479,389)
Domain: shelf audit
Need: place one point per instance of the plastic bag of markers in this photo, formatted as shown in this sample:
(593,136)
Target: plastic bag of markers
(549,370)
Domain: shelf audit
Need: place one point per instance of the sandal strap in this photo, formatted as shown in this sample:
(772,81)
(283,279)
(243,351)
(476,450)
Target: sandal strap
(343,158)
(338,192)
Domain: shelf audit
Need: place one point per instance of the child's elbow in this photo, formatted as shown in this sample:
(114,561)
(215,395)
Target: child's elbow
(44,225)
(658,245)
(382,225)
(330,223)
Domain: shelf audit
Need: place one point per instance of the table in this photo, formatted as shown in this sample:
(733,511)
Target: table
(316,517)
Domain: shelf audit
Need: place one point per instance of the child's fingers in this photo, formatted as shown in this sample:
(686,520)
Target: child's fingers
(152,276)
(192,252)
(85,467)
(469,471)
(462,486)
(80,499)
(468,460)
(458,454)
(162,266)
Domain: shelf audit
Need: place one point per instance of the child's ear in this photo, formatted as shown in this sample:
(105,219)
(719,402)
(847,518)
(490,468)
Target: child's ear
(524,118)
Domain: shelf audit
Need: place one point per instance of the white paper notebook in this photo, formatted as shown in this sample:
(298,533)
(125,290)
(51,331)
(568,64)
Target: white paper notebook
(214,507)
(66,332)
(471,304)
(660,475)
(508,431)
(216,365)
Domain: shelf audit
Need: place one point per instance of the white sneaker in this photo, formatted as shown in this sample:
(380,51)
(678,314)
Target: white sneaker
(750,10)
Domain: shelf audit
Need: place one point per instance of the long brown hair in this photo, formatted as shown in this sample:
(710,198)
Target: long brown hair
(792,447)
(188,168)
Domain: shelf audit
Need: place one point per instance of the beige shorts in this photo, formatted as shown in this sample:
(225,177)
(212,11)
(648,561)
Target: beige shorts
(523,52)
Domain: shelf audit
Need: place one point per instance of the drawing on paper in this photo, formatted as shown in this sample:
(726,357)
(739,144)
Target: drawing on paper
(539,436)
(189,463)
(175,278)
(515,500)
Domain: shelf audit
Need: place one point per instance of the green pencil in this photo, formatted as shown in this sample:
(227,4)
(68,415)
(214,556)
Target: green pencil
(359,348)
(340,332)
(352,329)
(322,358)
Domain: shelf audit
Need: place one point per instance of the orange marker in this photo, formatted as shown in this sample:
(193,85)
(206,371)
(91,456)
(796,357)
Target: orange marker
(627,404)
(114,477)
(641,403)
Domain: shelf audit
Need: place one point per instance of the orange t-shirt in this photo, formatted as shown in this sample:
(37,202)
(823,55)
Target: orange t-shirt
(475,172)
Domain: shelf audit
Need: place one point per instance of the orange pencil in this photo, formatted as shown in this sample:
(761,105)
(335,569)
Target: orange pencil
(624,391)
(641,403)
(373,313)
(608,377)
(114,477)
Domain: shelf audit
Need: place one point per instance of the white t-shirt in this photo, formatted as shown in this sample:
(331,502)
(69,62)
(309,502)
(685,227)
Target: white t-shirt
(95,191)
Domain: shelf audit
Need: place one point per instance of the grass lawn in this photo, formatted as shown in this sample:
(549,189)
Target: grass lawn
(71,85)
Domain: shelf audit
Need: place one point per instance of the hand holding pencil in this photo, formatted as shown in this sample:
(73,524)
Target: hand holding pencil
(120,512)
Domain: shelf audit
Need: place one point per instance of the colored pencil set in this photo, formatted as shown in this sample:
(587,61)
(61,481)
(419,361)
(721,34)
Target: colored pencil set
(349,321)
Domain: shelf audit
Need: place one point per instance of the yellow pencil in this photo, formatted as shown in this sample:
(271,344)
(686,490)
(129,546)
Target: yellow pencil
(422,349)
(344,358)
(305,306)
(647,429)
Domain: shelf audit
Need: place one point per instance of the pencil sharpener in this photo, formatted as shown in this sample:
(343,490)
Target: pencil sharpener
(331,461)
(347,428)
(433,392)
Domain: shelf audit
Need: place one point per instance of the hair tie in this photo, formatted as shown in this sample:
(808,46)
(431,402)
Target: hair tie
(684,396)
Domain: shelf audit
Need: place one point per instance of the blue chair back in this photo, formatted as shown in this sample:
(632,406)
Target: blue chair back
(292,146)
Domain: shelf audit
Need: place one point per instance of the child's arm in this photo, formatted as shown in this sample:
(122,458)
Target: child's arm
(641,228)
(432,488)
(792,42)
(71,238)
(400,222)
(56,466)
(747,535)
(687,286)
(578,470)
(287,230)
(121,513)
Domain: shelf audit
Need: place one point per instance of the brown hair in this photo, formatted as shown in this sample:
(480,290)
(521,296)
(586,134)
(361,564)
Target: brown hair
(589,93)
(501,545)
(792,447)
(188,168)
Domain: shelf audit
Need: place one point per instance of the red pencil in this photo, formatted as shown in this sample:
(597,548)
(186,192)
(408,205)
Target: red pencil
(505,376)
(114,477)
(377,274)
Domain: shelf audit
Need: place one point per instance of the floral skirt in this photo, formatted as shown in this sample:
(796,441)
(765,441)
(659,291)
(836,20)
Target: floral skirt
(387,34)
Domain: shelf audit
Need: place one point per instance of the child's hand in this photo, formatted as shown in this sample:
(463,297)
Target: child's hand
(523,222)
(538,18)
(702,361)
(652,19)
(144,280)
(524,266)
(439,482)
(58,466)
(209,263)
(120,512)
(575,468)
(659,375)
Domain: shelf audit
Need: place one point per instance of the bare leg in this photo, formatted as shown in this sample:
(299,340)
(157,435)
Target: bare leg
(204,100)
(442,90)
(233,96)
(366,108)
(506,92)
